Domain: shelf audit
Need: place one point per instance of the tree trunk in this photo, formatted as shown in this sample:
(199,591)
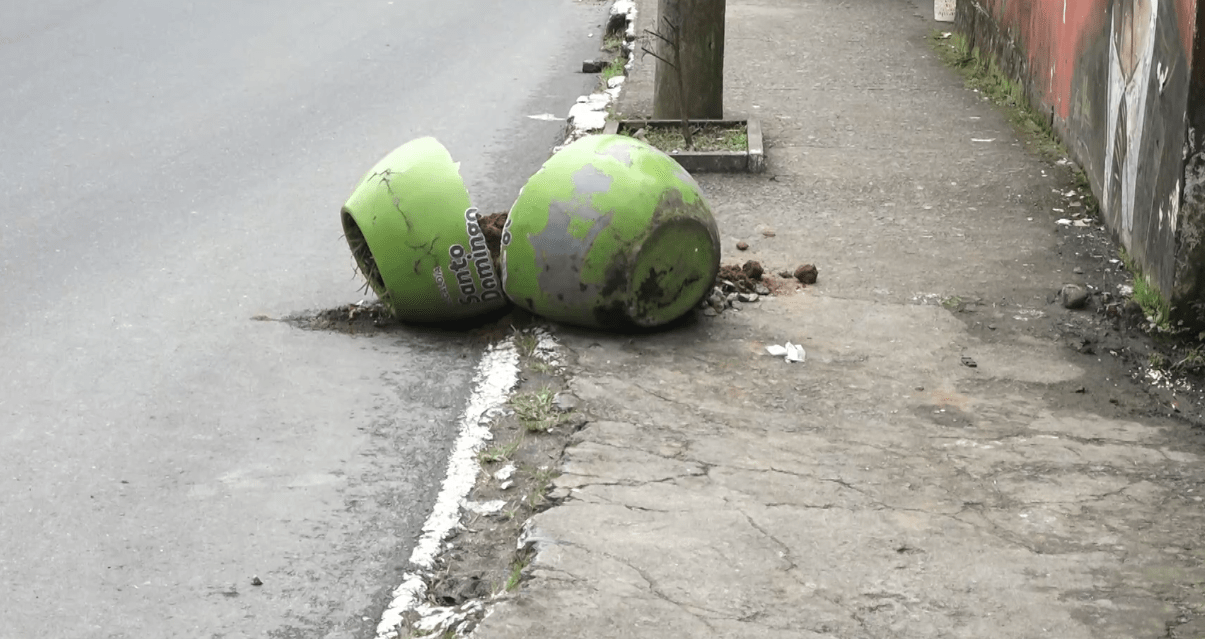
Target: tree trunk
(698,27)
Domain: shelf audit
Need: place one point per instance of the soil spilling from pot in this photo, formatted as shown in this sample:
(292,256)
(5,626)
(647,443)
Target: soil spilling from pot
(745,278)
(492,226)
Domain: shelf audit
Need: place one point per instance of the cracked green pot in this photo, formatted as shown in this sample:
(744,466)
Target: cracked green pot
(610,233)
(416,239)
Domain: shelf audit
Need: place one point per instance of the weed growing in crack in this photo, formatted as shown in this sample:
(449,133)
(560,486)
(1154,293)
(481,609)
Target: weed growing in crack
(541,367)
(613,43)
(1194,361)
(614,68)
(498,452)
(535,410)
(1148,296)
(541,480)
(516,572)
(525,342)
(1157,360)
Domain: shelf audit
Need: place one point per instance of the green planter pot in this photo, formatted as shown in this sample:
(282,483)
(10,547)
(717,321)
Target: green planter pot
(416,239)
(610,233)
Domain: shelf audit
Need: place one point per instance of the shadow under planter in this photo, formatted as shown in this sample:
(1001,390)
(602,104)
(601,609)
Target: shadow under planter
(751,159)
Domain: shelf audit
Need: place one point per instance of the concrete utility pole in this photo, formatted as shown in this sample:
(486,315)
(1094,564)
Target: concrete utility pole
(695,28)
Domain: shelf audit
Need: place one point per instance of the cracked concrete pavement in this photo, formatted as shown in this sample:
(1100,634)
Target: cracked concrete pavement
(882,488)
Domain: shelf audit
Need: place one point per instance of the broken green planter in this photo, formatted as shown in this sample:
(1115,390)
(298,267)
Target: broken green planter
(416,239)
(610,233)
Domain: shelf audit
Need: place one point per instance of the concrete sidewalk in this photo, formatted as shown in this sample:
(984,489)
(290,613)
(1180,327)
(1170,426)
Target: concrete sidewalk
(885,487)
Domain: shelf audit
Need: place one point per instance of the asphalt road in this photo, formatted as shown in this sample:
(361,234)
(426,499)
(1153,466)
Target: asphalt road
(169,170)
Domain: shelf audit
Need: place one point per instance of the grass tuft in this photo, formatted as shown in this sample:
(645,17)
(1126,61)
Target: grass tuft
(535,410)
(1147,295)
(541,480)
(525,342)
(516,572)
(498,452)
(614,68)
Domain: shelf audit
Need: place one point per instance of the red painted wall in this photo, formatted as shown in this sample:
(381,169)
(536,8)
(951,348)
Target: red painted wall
(1123,81)
(1052,32)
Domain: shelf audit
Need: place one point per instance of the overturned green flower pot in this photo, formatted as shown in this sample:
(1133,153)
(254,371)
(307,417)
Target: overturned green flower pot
(416,239)
(610,233)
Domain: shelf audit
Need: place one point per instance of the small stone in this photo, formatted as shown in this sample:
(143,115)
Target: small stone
(807,274)
(732,297)
(256,581)
(593,66)
(710,312)
(991,327)
(742,246)
(747,297)
(565,402)
(1073,296)
(1077,270)
(785,273)
(753,270)
(761,289)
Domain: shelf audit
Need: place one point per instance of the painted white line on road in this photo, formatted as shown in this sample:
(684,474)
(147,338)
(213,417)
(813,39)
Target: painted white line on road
(496,375)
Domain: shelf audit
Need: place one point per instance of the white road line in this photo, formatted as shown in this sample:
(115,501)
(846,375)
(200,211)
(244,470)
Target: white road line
(496,375)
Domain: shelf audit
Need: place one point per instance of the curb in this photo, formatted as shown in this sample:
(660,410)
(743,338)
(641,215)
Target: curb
(589,114)
(494,382)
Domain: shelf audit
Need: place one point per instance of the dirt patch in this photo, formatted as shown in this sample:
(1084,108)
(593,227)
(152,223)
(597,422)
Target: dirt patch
(708,137)
(517,469)
(366,318)
(1146,371)
(745,278)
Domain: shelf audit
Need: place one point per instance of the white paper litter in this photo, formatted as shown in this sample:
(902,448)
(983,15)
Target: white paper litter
(1064,221)
(790,352)
(505,473)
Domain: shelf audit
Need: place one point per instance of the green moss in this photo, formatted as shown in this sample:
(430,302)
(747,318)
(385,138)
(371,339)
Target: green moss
(980,73)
